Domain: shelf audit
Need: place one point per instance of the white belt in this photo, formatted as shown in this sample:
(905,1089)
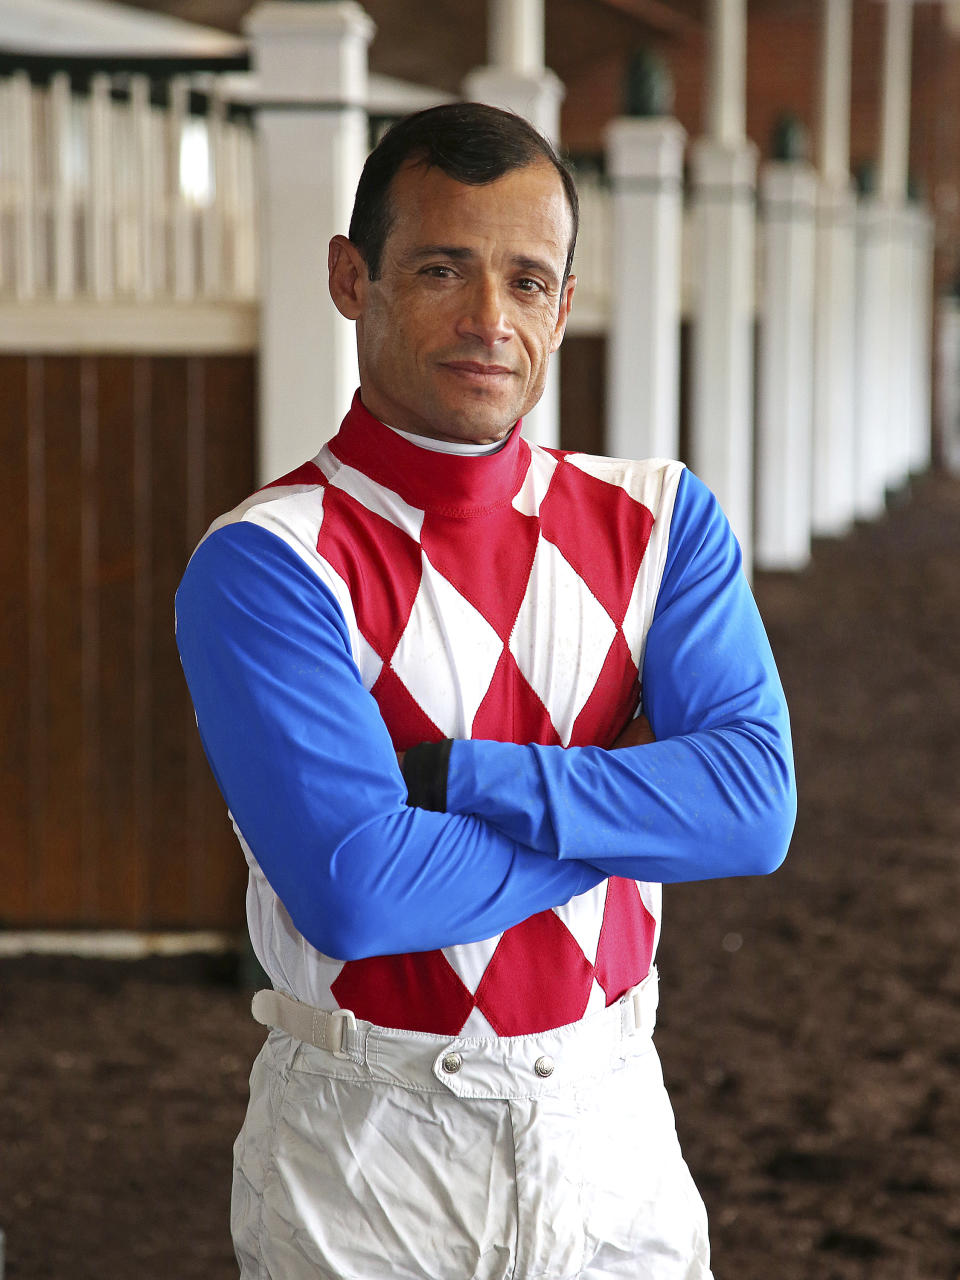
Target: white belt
(471,1067)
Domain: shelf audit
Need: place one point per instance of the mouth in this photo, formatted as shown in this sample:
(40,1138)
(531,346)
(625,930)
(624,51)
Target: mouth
(477,372)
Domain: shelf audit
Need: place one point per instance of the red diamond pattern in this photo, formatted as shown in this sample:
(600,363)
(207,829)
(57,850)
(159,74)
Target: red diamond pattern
(625,950)
(380,564)
(308,473)
(538,978)
(613,701)
(606,541)
(493,577)
(406,720)
(511,711)
(423,985)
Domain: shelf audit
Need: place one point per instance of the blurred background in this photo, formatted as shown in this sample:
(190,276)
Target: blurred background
(769,289)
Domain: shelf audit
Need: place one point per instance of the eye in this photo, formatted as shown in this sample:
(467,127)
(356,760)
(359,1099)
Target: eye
(438,271)
(527,284)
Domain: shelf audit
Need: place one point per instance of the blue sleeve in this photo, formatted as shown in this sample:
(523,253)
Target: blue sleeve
(306,766)
(714,796)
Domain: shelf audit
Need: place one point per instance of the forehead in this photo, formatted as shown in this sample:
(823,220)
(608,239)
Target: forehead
(524,208)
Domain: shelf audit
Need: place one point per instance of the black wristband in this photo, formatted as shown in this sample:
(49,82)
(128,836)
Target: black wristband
(424,771)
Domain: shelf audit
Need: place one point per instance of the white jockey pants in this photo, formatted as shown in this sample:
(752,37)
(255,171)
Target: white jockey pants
(421,1157)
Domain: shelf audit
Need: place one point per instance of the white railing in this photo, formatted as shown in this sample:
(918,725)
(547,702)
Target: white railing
(106,196)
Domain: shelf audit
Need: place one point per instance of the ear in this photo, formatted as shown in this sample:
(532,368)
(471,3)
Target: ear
(566,302)
(348,278)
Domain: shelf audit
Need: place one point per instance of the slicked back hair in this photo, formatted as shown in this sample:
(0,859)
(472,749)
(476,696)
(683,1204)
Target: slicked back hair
(467,141)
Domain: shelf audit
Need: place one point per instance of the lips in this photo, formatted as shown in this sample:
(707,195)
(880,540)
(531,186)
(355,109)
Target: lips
(477,369)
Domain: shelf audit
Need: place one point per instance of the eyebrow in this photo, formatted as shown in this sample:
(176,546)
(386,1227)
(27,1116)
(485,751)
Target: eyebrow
(460,253)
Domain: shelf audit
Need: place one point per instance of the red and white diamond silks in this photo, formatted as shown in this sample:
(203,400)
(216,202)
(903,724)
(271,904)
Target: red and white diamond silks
(504,597)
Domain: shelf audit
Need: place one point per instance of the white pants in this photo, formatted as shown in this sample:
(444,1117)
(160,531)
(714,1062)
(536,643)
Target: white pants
(387,1165)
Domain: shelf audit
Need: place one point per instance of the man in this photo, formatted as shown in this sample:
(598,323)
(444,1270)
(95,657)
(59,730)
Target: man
(459,1080)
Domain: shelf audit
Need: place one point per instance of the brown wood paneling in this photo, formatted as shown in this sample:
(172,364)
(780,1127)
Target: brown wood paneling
(173,846)
(122,855)
(15,885)
(229,413)
(583,393)
(114,467)
(60,854)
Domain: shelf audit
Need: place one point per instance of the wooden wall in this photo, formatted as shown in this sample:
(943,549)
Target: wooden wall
(111,468)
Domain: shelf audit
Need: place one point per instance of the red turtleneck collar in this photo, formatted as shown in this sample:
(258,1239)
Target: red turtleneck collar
(446,483)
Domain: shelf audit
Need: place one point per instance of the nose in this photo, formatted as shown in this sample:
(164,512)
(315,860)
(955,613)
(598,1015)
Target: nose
(485,314)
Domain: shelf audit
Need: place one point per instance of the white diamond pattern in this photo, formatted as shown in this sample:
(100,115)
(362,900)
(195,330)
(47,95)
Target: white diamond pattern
(583,916)
(382,502)
(429,659)
(562,666)
(535,483)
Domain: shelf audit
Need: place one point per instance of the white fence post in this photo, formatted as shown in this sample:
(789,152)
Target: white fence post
(784,409)
(25,212)
(144,202)
(312,127)
(645,167)
(212,218)
(99,220)
(61,192)
(181,250)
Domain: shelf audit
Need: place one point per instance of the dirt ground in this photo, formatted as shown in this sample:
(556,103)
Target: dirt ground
(810,1021)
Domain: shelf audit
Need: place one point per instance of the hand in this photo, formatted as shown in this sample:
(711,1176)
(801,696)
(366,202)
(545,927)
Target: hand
(636,734)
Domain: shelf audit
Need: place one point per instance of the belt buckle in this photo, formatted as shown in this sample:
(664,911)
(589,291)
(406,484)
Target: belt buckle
(348,1032)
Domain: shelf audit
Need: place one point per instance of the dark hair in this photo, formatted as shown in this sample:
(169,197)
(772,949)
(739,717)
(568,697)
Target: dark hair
(468,141)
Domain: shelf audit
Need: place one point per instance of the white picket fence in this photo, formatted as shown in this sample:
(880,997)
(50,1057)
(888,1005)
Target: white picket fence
(107,197)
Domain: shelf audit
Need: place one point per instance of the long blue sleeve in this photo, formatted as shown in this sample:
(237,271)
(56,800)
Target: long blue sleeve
(306,766)
(714,796)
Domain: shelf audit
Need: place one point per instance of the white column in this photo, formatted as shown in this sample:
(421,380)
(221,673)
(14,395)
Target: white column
(515,36)
(516,80)
(645,167)
(921,346)
(872,354)
(834,442)
(948,330)
(895,118)
(834,132)
(726,84)
(311,61)
(892,187)
(834,447)
(724,168)
(784,409)
(900,338)
(721,444)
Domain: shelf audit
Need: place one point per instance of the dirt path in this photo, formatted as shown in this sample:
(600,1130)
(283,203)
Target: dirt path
(810,1022)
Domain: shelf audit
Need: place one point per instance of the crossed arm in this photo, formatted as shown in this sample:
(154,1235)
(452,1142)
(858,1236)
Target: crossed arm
(307,768)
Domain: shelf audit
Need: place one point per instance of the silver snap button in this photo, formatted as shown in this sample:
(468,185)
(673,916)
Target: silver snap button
(451,1063)
(544,1067)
